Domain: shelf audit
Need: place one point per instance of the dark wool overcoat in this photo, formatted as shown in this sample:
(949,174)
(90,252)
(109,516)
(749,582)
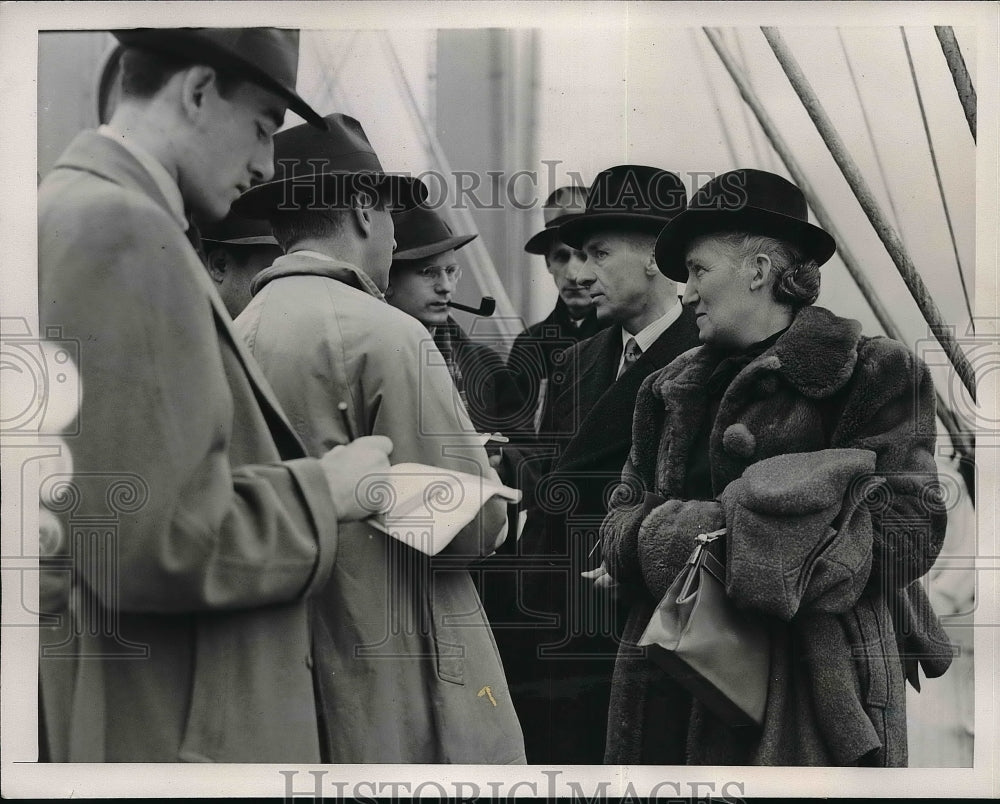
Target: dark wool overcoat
(822,468)
(562,635)
(535,356)
(488,385)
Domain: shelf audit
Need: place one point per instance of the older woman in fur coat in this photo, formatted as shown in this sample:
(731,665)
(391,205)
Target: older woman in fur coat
(812,444)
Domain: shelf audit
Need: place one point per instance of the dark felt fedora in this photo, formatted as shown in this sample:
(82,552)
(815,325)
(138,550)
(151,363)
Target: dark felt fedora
(109,81)
(564,205)
(236,231)
(321,168)
(421,232)
(268,57)
(629,197)
(746,200)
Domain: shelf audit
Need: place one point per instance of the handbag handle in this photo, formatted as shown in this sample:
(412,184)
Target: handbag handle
(700,555)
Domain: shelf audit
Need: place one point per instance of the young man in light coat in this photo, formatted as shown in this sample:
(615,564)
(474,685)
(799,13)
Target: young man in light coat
(198,527)
(408,671)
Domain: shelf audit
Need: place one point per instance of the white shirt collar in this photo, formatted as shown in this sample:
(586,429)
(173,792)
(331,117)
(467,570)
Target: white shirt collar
(164,182)
(647,337)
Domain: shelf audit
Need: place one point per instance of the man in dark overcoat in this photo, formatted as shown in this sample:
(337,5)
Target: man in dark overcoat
(563,642)
(183,634)
(534,355)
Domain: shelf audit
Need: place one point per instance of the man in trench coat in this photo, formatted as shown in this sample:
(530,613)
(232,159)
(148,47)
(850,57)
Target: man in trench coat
(408,671)
(197,526)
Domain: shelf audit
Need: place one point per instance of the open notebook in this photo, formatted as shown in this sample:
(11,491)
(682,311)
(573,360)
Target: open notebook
(430,505)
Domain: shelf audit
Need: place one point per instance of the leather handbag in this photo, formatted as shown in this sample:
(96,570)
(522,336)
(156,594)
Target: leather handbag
(719,653)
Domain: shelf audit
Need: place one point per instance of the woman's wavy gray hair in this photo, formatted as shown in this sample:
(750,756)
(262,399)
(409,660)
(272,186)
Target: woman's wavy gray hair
(797,278)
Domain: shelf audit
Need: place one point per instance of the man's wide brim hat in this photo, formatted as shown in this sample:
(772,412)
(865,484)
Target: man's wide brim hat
(565,204)
(236,231)
(746,200)
(628,198)
(109,80)
(318,169)
(421,232)
(268,57)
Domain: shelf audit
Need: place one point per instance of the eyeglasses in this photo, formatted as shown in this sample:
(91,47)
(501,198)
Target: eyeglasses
(435,273)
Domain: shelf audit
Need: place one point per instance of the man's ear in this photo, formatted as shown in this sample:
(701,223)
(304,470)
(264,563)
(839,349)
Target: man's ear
(362,205)
(650,267)
(760,274)
(362,216)
(218,264)
(197,83)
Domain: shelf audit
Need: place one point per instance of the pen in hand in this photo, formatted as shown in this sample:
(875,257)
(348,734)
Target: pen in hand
(342,407)
(593,550)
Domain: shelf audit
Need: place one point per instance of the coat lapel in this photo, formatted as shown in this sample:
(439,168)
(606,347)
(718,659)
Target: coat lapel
(103,157)
(816,356)
(606,425)
(289,444)
(599,357)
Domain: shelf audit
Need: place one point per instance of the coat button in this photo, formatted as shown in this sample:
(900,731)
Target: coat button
(738,440)
(309,661)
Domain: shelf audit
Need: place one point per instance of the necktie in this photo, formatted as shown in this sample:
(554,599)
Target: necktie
(632,353)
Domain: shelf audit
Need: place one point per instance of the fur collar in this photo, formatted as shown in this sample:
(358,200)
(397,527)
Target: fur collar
(816,355)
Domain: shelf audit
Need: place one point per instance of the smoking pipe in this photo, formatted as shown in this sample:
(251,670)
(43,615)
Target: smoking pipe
(486,307)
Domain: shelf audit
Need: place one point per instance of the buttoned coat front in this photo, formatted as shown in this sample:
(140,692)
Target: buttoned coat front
(185,637)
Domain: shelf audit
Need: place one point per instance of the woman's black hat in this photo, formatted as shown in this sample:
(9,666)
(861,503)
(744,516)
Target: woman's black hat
(745,200)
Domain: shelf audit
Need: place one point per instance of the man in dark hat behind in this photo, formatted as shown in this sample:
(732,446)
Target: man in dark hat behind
(563,673)
(188,639)
(236,250)
(425,272)
(532,359)
(406,666)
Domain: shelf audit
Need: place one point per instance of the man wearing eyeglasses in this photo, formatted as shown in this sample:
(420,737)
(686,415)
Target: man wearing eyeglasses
(424,275)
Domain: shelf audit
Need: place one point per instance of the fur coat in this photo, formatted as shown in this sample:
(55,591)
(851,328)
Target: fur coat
(822,470)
